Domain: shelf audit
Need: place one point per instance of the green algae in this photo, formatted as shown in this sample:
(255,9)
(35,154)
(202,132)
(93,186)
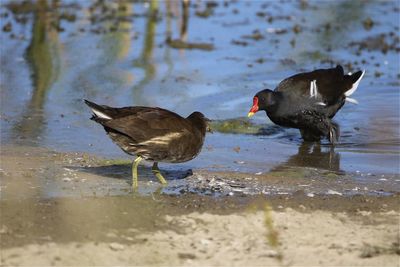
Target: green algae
(236,126)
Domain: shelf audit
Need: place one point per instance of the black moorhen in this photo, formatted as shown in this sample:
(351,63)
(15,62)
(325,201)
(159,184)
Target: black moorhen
(308,101)
(153,134)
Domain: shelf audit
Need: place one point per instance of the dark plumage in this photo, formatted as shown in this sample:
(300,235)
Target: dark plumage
(308,101)
(153,134)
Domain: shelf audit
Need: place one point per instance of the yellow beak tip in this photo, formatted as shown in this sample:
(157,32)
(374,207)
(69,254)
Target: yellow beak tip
(250,114)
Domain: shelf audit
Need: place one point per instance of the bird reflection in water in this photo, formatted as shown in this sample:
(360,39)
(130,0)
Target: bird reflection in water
(312,154)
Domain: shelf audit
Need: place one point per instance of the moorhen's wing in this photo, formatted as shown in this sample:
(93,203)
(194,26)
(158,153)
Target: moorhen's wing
(106,112)
(143,124)
(325,85)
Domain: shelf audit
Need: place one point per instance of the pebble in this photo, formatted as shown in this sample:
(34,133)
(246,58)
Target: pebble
(205,242)
(4,229)
(117,246)
(392,212)
(270,253)
(333,192)
(364,212)
(310,195)
(168,218)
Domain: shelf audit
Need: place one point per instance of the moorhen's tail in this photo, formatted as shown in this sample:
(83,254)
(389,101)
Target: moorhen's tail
(352,81)
(99,112)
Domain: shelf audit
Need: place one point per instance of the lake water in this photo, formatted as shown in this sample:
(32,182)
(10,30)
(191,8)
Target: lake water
(52,57)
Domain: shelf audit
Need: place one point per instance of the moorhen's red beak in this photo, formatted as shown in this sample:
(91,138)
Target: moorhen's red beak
(254,108)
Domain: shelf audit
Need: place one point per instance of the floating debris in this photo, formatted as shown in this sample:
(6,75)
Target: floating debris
(179,44)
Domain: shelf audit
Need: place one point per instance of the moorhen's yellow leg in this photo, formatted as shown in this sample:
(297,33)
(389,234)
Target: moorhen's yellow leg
(134,172)
(156,172)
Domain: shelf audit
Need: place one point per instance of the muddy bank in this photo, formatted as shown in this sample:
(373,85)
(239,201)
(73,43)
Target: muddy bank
(44,173)
(55,210)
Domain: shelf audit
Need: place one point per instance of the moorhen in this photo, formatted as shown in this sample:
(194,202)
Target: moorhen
(308,101)
(154,134)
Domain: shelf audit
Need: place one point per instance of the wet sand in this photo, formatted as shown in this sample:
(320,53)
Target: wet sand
(55,213)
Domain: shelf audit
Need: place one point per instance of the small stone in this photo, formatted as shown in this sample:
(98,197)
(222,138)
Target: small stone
(364,212)
(270,253)
(168,218)
(116,246)
(368,24)
(236,149)
(332,192)
(297,29)
(188,256)
(205,242)
(4,229)
(7,27)
(392,212)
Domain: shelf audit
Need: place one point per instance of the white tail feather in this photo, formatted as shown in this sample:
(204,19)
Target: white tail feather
(101,114)
(355,85)
(351,100)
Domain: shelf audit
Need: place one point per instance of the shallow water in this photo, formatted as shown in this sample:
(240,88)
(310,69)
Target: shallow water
(47,70)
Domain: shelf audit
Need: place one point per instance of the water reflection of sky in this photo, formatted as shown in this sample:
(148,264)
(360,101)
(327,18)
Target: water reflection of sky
(45,76)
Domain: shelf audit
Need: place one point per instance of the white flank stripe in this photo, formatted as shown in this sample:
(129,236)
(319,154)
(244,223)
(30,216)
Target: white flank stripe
(355,85)
(313,89)
(351,100)
(161,140)
(101,114)
(320,104)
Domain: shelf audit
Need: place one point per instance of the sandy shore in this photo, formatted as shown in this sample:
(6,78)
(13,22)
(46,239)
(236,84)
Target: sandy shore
(316,238)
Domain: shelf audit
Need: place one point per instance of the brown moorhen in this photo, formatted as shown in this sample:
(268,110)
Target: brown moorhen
(154,134)
(308,101)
